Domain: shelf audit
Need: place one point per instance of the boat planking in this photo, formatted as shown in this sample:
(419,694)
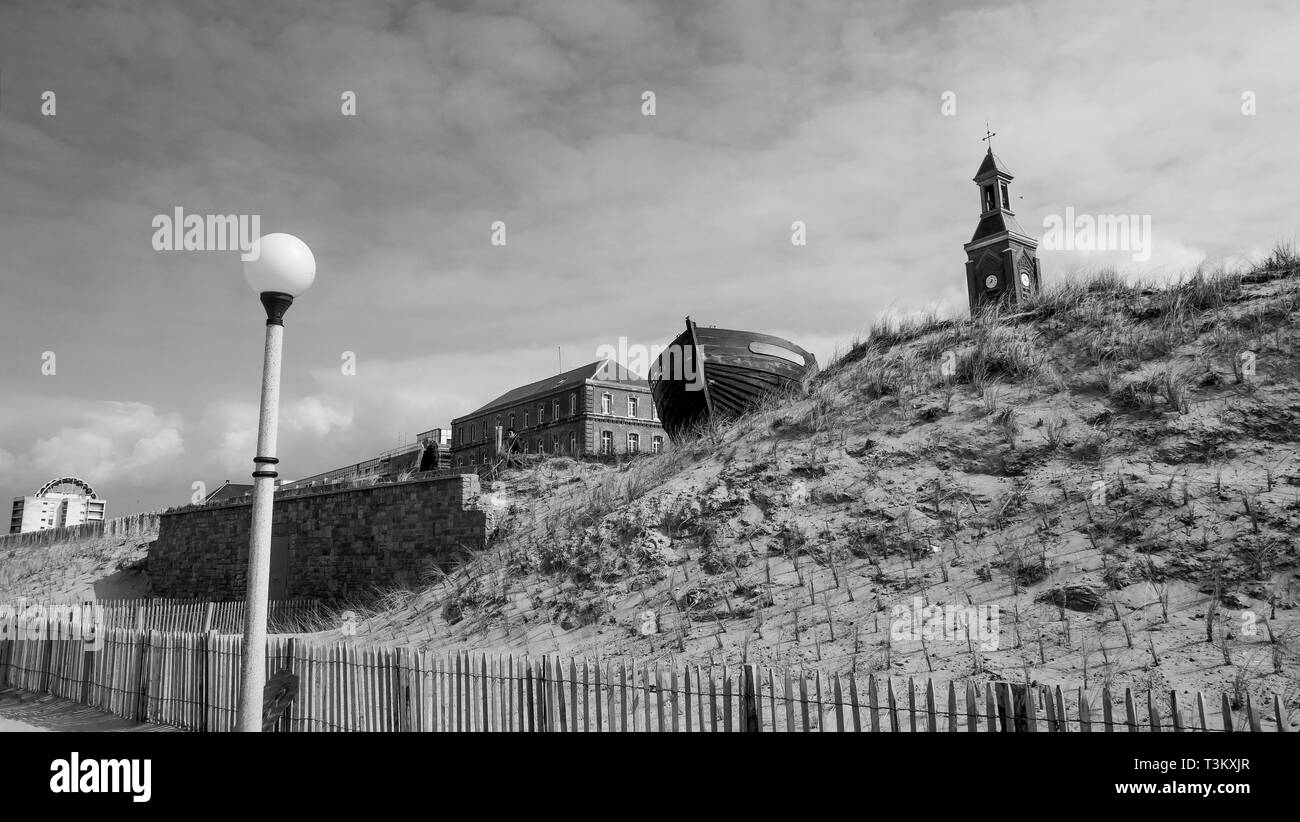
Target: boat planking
(718,373)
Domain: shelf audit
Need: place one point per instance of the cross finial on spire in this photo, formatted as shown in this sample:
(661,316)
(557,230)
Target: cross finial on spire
(988,135)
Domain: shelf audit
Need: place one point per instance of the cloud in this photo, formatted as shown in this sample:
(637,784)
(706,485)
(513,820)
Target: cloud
(312,417)
(304,424)
(111,441)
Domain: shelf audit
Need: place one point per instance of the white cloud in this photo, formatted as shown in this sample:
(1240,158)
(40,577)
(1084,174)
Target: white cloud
(111,441)
(311,416)
(232,425)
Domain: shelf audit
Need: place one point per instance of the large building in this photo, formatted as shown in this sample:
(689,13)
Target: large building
(1001,259)
(598,409)
(61,502)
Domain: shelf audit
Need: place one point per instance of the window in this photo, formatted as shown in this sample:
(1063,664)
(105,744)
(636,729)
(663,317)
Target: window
(631,406)
(633,443)
(573,404)
(606,404)
(555,443)
(657,444)
(525,445)
(989,205)
(541,413)
(1006,198)
(555,409)
(573,442)
(607,441)
(512,422)
(527,420)
(498,420)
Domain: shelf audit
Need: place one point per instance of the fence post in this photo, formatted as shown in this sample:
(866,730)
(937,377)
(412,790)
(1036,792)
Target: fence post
(207,616)
(142,702)
(205,645)
(50,627)
(286,719)
(88,664)
(749,699)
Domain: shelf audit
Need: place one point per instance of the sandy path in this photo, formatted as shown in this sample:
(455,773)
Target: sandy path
(21,711)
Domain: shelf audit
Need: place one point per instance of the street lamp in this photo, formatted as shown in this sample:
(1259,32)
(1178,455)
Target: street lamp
(281,268)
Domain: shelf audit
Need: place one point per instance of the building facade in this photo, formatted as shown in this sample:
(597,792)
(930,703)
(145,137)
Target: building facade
(600,409)
(1001,259)
(58,504)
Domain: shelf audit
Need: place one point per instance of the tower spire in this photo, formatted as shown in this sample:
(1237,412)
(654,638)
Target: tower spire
(988,135)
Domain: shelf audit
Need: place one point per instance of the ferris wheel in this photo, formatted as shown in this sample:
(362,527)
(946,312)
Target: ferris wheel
(67,485)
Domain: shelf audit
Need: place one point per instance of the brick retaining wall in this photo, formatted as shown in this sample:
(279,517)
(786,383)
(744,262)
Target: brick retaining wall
(341,544)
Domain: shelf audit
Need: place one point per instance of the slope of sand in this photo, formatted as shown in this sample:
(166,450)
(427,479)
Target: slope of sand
(95,568)
(797,536)
(1109,439)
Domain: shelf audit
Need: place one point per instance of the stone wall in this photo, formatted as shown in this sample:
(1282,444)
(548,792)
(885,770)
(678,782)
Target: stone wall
(340,544)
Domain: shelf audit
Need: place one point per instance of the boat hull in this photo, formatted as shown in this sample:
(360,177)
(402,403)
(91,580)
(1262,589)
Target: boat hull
(713,374)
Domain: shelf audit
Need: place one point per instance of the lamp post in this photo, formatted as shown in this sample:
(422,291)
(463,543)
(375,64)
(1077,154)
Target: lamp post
(282,268)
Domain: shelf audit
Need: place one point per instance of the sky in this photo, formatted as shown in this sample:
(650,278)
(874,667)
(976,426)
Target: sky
(862,120)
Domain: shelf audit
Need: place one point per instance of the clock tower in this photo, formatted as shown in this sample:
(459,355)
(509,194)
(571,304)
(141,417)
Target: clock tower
(1001,259)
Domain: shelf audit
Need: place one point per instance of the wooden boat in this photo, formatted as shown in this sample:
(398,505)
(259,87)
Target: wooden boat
(716,373)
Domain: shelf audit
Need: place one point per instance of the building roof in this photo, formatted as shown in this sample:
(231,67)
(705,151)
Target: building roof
(996,223)
(992,164)
(229,490)
(605,370)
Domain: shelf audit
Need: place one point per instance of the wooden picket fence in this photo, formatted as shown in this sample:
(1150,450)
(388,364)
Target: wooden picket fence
(191,681)
(176,615)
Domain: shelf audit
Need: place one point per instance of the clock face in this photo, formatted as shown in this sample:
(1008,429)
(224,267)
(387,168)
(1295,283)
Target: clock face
(991,281)
(1024,278)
